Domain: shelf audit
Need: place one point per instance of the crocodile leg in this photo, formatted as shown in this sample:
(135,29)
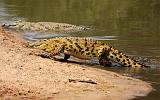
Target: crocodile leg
(49,51)
(103,57)
(55,51)
(104,62)
(66,57)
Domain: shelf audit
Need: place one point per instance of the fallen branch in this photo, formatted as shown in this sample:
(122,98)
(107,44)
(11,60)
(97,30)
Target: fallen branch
(83,81)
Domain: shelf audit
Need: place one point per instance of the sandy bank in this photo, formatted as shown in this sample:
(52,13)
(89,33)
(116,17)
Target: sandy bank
(25,76)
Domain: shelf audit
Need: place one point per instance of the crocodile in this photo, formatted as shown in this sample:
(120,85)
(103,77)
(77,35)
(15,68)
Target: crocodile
(44,27)
(85,48)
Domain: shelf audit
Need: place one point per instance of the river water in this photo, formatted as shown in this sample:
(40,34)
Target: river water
(132,26)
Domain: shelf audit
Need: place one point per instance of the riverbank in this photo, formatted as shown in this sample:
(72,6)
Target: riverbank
(26,76)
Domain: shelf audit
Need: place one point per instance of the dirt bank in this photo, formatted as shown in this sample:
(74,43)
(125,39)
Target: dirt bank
(26,76)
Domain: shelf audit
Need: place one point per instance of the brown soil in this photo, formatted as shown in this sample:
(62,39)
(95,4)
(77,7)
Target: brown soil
(26,76)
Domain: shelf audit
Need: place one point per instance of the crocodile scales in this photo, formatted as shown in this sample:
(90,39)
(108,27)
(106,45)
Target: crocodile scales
(44,27)
(84,48)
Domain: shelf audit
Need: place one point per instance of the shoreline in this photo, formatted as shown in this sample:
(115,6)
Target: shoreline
(30,77)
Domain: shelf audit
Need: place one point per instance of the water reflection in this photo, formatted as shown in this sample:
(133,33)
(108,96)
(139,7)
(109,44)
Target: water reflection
(32,36)
(116,17)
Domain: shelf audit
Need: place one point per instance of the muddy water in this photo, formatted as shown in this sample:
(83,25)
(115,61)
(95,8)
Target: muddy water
(133,26)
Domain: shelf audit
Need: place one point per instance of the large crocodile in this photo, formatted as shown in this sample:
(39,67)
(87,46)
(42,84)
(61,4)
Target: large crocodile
(44,26)
(85,49)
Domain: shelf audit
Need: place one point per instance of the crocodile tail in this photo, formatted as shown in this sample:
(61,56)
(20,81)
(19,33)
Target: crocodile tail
(117,56)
